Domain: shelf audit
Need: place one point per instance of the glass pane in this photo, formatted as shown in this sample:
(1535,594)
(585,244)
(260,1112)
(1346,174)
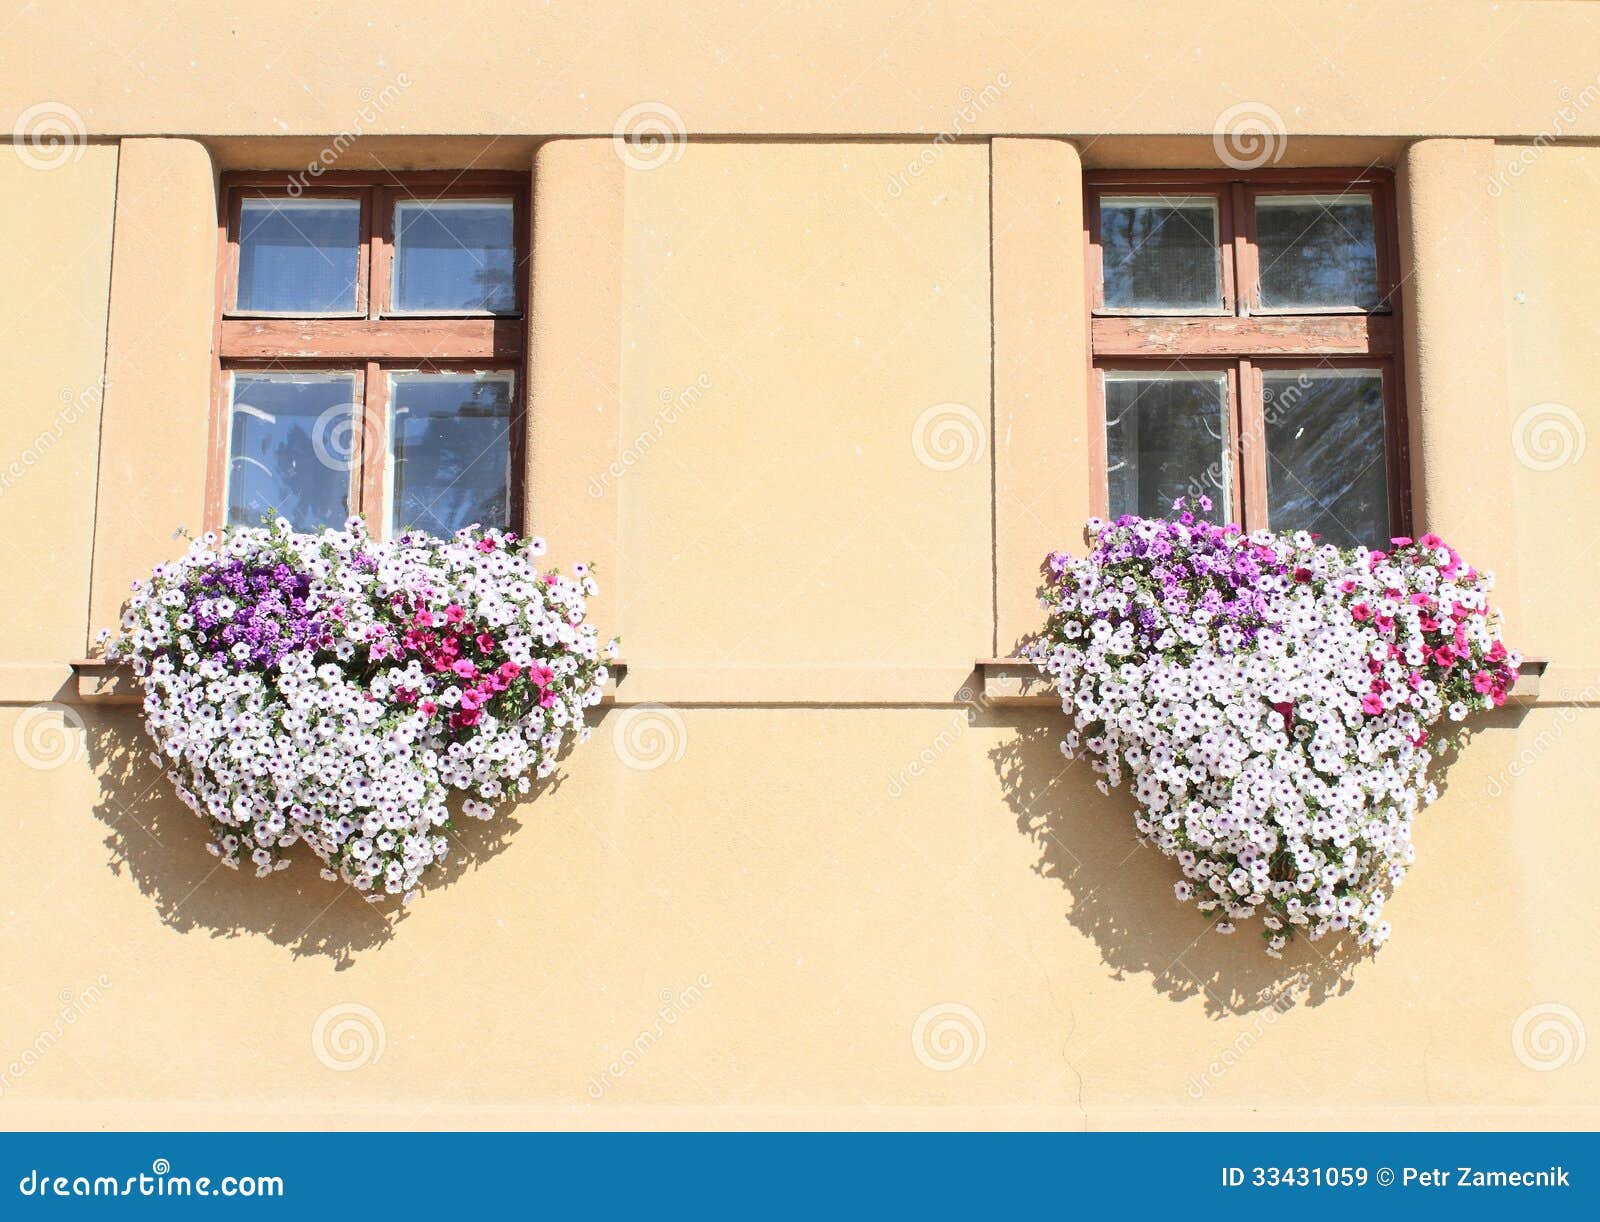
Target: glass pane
(1160,252)
(452,451)
(292,443)
(1166,437)
(1326,469)
(299,256)
(455,255)
(1317,251)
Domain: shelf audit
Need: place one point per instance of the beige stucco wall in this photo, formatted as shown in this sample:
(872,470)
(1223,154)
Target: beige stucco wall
(162,314)
(820,503)
(54,273)
(1550,304)
(1454,361)
(811,899)
(822,846)
(396,67)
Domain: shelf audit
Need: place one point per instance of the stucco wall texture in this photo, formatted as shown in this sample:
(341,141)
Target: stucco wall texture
(802,874)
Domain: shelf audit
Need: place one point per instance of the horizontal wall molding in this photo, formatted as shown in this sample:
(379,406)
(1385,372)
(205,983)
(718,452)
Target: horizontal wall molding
(802,684)
(96,682)
(99,682)
(36,682)
(1019,68)
(990,682)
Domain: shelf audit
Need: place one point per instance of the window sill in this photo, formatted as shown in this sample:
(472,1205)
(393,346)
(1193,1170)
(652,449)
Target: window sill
(1006,683)
(100,682)
(1014,682)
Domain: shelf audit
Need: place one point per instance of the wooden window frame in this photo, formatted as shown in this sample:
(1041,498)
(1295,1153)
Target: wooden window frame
(371,342)
(1241,338)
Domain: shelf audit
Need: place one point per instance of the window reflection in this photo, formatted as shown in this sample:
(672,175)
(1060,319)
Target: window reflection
(1160,252)
(299,256)
(1316,252)
(291,447)
(454,256)
(1166,437)
(1326,458)
(451,438)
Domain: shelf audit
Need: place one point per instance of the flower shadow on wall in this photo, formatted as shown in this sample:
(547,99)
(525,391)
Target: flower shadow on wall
(362,699)
(1120,887)
(1261,762)
(153,839)
(1120,890)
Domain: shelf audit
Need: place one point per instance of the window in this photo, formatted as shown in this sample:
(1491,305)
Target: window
(370,351)
(1244,346)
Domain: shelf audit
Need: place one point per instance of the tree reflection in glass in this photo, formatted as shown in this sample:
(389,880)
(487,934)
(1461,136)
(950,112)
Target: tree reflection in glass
(1316,252)
(290,448)
(451,438)
(1159,252)
(1326,469)
(1166,437)
(454,256)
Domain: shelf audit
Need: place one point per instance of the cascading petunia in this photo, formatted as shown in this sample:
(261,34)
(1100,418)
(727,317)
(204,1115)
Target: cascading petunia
(1269,700)
(349,693)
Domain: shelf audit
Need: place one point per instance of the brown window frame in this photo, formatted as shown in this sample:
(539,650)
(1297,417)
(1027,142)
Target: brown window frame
(1242,338)
(373,341)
